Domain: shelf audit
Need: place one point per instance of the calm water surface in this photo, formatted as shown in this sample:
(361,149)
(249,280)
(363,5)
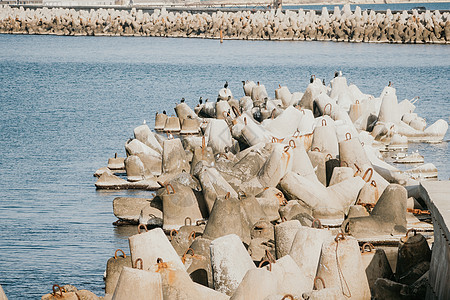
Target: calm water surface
(69,103)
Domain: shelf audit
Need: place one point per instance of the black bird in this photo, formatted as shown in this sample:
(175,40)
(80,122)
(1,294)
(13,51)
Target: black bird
(390,83)
(323,82)
(206,100)
(311,80)
(182,100)
(226,84)
(164,112)
(200,100)
(336,74)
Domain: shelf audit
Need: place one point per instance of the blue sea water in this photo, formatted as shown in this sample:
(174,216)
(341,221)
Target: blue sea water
(70,103)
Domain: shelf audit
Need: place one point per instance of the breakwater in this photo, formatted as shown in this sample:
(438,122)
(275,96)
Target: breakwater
(340,25)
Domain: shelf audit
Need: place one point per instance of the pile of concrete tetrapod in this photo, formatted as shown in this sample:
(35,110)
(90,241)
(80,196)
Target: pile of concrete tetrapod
(274,198)
(341,25)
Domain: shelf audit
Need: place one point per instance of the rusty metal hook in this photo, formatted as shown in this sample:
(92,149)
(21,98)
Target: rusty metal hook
(316,221)
(60,290)
(293,144)
(183,259)
(192,235)
(365,173)
(136,263)
(348,136)
(263,261)
(190,221)
(339,236)
(324,122)
(317,278)
(167,189)
(363,248)
(171,233)
(139,228)
(288,296)
(115,253)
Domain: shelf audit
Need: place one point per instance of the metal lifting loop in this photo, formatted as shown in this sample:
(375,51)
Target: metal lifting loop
(325,108)
(236,111)
(136,264)
(316,221)
(324,122)
(288,296)
(348,136)
(316,149)
(316,279)
(373,183)
(60,290)
(192,235)
(363,248)
(183,258)
(339,236)
(365,174)
(115,253)
(190,221)
(263,261)
(411,230)
(171,233)
(292,144)
(227,196)
(329,156)
(167,189)
(159,260)
(141,226)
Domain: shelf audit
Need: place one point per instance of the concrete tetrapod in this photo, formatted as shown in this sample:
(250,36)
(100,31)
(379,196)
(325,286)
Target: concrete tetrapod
(230,262)
(139,285)
(151,159)
(276,166)
(327,203)
(341,266)
(284,236)
(376,265)
(174,158)
(151,245)
(160,121)
(144,134)
(214,186)
(387,217)
(256,284)
(114,267)
(227,217)
(306,248)
(179,203)
(289,277)
(177,285)
(135,168)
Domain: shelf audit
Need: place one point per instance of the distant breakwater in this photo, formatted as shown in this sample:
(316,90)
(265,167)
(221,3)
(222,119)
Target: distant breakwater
(340,25)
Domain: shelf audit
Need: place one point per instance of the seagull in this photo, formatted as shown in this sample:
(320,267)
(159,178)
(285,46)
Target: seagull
(145,122)
(226,84)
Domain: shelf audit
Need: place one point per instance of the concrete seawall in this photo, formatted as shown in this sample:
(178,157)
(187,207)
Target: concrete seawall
(341,25)
(435,194)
